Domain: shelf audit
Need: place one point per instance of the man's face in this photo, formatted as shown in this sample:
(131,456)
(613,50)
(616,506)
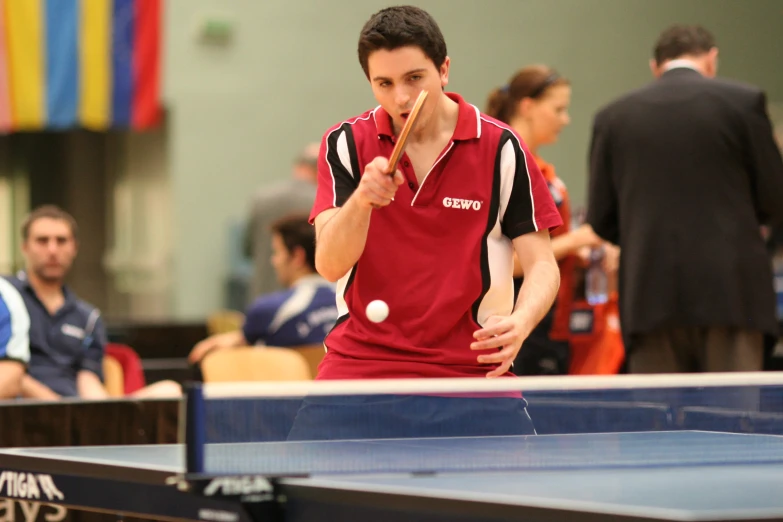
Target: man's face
(50,249)
(282,261)
(397,77)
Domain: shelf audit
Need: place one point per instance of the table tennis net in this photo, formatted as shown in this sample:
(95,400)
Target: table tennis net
(242,426)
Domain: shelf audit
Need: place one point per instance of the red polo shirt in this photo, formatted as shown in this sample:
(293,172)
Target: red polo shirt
(439,255)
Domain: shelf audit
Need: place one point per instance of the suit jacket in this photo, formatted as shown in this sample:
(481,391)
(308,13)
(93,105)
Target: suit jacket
(682,174)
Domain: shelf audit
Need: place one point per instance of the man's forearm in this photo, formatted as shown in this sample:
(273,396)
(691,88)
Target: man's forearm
(34,389)
(341,240)
(537,293)
(233,339)
(11,374)
(561,247)
(89,386)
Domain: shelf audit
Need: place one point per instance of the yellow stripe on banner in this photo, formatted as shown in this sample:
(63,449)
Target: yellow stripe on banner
(24,28)
(95,64)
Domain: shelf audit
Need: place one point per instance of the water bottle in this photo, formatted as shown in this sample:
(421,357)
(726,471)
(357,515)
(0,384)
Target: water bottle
(596,280)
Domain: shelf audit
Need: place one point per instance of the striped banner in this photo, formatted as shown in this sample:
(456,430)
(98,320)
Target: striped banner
(94,59)
(146,63)
(122,61)
(62,65)
(79,63)
(23,28)
(5,93)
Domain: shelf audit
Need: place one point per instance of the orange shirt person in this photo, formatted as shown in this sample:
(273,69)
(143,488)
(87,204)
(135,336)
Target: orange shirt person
(535,104)
(596,338)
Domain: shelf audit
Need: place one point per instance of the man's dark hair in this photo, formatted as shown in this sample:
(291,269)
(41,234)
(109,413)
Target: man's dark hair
(680,40)
(402,26)
(296,231)
(51,212)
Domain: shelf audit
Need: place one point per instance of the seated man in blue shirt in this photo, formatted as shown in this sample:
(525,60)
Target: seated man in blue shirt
(67,336)
(301,314)
(14,340)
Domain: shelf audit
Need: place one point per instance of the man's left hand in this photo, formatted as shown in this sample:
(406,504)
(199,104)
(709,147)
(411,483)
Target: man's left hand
(504,334)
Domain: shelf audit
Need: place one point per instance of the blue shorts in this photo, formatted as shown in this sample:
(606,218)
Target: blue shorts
(409,416)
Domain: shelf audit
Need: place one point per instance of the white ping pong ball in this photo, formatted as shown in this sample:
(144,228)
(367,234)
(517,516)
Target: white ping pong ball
(377,311)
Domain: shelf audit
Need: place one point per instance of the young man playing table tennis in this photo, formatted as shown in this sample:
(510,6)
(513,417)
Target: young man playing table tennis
(434,240)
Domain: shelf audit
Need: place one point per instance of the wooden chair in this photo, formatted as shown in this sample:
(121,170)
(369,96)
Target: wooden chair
(223,321)
(133,378)
(113,376)
(255,363)
(313,354)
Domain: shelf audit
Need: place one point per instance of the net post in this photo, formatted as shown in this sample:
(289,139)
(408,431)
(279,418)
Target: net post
(194,428)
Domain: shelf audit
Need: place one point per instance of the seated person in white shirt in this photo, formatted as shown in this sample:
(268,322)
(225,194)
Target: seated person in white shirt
(14,340)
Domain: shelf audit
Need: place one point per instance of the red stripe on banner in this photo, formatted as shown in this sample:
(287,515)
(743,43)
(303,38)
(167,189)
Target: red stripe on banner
(146,64)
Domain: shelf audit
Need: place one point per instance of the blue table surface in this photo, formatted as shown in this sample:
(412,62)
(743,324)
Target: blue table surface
(678,474)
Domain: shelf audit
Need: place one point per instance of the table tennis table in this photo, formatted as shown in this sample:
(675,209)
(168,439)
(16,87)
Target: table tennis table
(634,476)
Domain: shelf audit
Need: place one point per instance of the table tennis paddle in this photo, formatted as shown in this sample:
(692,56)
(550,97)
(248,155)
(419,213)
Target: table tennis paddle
(399,147)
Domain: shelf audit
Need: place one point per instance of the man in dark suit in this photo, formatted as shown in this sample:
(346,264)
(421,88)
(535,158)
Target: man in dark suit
(683,174)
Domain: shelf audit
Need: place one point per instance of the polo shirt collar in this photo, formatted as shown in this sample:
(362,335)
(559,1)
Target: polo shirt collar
(681,63)
(67,294)
(468,120)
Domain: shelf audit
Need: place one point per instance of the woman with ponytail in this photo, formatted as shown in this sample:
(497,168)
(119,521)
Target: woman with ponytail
(534,103)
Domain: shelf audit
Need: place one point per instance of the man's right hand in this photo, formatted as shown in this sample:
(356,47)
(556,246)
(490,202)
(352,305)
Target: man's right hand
(214,343)
(377,188)
(342,233)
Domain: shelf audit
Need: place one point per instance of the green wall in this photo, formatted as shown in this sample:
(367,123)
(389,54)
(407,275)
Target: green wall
(238,113)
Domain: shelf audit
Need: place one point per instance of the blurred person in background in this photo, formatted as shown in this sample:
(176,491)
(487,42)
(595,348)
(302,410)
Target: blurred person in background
(14,340)
(535,104)
(272,201)
(683,174)
(301,314)
(67,335)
